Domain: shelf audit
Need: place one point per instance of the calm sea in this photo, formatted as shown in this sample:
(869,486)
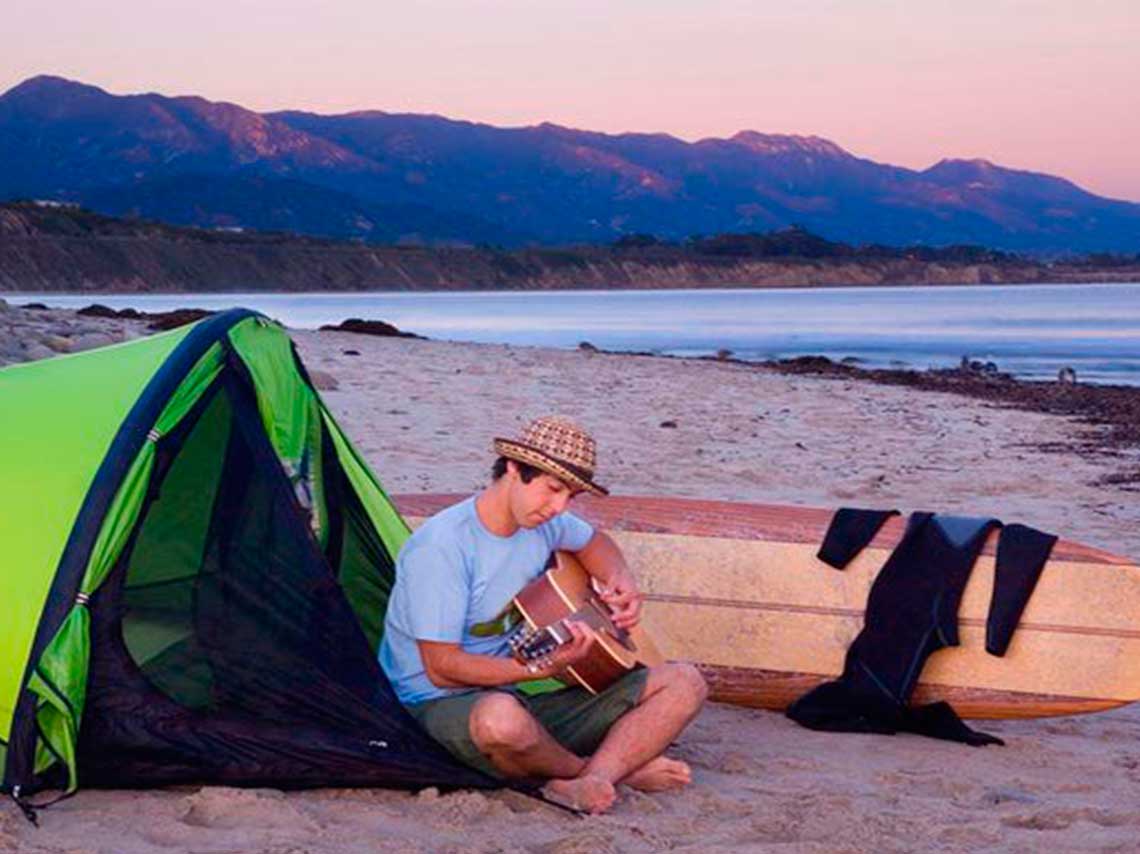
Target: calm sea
(1029,330)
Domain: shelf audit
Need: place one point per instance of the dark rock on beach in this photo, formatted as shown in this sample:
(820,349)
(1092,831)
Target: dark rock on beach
(161,321)
(100,310)
(158,321)
(977,366)
(369,327)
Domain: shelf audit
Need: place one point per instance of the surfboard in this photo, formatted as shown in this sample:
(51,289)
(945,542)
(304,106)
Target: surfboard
(737,590)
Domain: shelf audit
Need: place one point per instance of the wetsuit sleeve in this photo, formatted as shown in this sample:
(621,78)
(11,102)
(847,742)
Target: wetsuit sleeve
(850,531)
(1021,555)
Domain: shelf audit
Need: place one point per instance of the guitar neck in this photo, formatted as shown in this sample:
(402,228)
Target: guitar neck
(589,614)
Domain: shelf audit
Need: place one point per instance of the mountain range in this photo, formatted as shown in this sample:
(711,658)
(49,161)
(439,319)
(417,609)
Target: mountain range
(389,178)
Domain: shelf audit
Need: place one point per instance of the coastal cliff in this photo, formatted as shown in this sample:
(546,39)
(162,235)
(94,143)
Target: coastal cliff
(59,248)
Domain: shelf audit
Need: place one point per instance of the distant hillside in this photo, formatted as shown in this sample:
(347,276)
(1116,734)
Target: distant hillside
(52,247)
(389,178)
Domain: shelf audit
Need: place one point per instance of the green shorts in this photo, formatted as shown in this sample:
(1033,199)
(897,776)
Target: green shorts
(577,719)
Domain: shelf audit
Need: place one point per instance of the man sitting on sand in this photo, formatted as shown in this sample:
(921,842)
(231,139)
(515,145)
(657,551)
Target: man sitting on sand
(446,650)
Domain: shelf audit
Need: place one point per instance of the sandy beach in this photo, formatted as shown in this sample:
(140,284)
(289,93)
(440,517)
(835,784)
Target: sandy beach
(423,413)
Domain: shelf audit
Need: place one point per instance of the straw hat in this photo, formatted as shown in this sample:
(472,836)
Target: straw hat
(557,446)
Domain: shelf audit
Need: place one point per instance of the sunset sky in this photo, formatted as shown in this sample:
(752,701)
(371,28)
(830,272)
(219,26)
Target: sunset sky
(1048,86)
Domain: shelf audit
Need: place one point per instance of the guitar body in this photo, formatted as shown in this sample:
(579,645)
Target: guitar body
(565,591)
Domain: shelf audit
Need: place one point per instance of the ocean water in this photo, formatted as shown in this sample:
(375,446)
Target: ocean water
(1029,330)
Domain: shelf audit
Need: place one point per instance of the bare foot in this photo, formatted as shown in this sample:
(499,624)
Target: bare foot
(584,794)
(660,775)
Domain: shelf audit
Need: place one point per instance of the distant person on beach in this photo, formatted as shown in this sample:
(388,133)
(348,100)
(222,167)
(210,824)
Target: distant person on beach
(446,649)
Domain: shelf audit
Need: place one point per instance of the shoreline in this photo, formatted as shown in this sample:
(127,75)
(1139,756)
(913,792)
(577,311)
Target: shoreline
(1110,412)
(966,328)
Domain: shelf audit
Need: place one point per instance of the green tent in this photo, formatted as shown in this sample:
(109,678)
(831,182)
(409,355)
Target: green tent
(194,567)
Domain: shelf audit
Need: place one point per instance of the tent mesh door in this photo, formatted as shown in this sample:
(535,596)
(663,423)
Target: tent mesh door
(224,647)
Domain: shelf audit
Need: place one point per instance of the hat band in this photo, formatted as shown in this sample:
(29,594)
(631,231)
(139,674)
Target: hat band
(576,470)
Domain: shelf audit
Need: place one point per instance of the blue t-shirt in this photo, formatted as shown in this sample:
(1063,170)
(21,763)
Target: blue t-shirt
(453,574)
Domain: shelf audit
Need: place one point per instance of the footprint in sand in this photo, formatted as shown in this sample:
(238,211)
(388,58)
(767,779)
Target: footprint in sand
(579,843)
(1007,795)
(926,784)
(967,837)
(775,829)
(795,763)
(1059,819)
(221,807)
(466,807)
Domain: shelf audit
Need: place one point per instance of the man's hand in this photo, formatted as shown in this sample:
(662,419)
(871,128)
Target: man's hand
(624,600)
(604,561)
(570,653)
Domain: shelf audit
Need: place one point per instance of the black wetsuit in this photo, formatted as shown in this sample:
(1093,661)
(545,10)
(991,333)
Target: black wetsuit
(912,611)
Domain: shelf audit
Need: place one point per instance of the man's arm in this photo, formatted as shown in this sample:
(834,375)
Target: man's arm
(602,558)
(448,666)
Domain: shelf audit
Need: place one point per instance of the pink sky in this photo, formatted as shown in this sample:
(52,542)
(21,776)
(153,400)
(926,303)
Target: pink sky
(1043,85)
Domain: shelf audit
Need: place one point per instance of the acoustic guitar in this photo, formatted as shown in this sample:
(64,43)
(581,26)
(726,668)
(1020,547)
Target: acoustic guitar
(567,592)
